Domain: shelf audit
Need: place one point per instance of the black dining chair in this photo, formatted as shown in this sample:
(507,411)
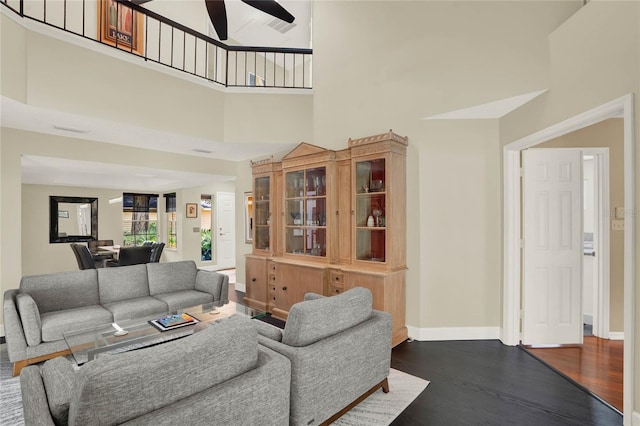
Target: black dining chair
(101,258)
(134,255)
(83,256)
(156,251)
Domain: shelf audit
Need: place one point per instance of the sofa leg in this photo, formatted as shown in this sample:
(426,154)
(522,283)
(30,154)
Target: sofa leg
(384,384)
(19,365)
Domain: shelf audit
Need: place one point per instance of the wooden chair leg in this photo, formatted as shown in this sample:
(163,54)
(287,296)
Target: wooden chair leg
(18,366)
(385,385)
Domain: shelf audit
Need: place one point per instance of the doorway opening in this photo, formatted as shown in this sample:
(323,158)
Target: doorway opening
(622,107)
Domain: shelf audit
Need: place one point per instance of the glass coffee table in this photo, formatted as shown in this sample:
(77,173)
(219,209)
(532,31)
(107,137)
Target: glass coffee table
(88,344)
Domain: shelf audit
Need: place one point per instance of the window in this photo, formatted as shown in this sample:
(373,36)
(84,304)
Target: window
(172,221)
(139,218)
(205,227)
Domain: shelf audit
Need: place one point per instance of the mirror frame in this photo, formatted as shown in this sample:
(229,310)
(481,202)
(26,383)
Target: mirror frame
(53,219)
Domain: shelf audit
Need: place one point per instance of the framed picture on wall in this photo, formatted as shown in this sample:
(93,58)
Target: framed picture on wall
(192,210)
(121,26)
(248,217)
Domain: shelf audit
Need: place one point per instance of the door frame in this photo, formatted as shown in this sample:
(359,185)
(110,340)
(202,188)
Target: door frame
(510,333)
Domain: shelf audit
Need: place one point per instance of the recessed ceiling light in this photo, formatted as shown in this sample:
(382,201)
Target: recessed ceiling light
(70,129)
(202,151)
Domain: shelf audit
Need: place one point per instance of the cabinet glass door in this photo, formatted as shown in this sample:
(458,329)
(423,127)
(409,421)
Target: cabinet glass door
(262,212)
(370,210)
(306,212)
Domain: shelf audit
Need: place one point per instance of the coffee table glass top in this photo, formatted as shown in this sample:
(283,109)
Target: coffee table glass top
(90,343)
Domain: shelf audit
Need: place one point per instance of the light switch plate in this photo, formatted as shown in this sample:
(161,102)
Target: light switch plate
(617,225)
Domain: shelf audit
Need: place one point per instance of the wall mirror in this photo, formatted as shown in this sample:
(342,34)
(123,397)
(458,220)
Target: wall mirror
(72,219)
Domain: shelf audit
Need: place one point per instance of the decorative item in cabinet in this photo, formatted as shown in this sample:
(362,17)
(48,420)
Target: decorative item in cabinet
(306,212)
(262,213)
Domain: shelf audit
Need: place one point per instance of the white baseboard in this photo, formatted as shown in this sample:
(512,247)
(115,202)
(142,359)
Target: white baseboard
(454,333)
(616,335)
(635,419)
(241,287)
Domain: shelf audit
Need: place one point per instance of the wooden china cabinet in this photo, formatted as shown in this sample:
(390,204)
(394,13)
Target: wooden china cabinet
(327,221)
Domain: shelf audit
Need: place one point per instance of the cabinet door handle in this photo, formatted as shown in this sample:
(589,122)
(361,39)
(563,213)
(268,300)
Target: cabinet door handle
(284,288)
(253,279)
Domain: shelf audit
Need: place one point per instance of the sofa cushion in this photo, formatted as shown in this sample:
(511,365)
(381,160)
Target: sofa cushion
(171,276)
(58,377)
(184,299)
(30,318)
(136,308)
(62,290)
(113,390)
(56,323)
(123,283)
(307,321)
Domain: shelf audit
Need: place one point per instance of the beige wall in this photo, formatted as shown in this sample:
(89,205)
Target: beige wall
(444,56)
(594,59)
(609,134)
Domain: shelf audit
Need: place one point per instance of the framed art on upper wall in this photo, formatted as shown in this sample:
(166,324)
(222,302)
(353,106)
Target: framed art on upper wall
(119,25)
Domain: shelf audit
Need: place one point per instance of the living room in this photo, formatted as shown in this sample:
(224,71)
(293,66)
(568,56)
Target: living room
(406,62)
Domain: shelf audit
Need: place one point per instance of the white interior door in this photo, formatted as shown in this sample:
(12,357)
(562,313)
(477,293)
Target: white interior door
(226,225)
(553,247)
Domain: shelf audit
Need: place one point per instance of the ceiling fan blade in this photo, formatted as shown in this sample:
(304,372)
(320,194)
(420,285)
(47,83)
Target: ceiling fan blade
(272,8)
(218,15)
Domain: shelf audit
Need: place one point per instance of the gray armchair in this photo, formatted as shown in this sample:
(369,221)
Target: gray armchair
(218,376)
(340,353)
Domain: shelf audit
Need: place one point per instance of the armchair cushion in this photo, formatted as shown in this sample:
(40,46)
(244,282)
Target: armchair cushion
(58,377)
(307,324)
(30,317)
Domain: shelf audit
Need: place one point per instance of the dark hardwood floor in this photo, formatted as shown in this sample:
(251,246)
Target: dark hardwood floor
(597,365)
(487,383)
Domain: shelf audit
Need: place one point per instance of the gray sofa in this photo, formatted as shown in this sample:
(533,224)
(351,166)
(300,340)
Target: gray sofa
(217,376)
(45,306)
(340,352)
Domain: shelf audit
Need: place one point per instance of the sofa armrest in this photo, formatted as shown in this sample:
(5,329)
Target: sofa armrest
(14,334)
(34,398)
(213,283)
(267,330)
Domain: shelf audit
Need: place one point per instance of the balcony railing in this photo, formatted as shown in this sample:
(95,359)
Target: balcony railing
(133,29)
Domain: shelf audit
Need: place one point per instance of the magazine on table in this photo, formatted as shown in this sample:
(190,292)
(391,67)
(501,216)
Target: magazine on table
(169,322)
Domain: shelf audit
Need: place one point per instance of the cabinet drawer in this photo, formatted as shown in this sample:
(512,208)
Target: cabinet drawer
(336,279)
(333,290)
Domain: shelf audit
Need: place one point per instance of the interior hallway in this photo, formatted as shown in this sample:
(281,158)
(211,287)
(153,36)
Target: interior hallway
(596,366)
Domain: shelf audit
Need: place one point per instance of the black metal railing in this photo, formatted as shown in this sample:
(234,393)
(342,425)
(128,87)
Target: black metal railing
(131,28)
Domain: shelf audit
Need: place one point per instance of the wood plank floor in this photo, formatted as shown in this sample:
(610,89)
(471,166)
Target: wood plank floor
(487,383)
(597,365)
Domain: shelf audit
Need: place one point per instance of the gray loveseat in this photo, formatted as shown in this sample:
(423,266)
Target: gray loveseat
(217,376)
(45,306)
(340,352)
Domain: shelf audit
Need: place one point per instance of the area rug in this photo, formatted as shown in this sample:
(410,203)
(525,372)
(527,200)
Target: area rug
(378,409)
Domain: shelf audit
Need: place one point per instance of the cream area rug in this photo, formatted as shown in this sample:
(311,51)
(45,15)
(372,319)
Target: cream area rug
(378,409)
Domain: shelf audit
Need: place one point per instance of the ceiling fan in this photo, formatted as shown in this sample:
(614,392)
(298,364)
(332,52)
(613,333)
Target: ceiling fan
(218,12)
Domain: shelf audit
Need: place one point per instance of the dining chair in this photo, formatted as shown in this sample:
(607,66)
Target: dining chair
(134,255)
(103,259)
(156,251)
(83,256)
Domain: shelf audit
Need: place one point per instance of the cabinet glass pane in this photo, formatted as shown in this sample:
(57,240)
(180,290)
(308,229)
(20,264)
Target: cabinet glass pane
(306,212)
(295,184)
(370,210)
(261,213)
(370,244)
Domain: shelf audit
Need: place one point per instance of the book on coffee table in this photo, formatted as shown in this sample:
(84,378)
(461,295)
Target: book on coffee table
(169,322)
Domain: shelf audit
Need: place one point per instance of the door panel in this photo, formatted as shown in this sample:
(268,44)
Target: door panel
(226,248)
(552,251)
